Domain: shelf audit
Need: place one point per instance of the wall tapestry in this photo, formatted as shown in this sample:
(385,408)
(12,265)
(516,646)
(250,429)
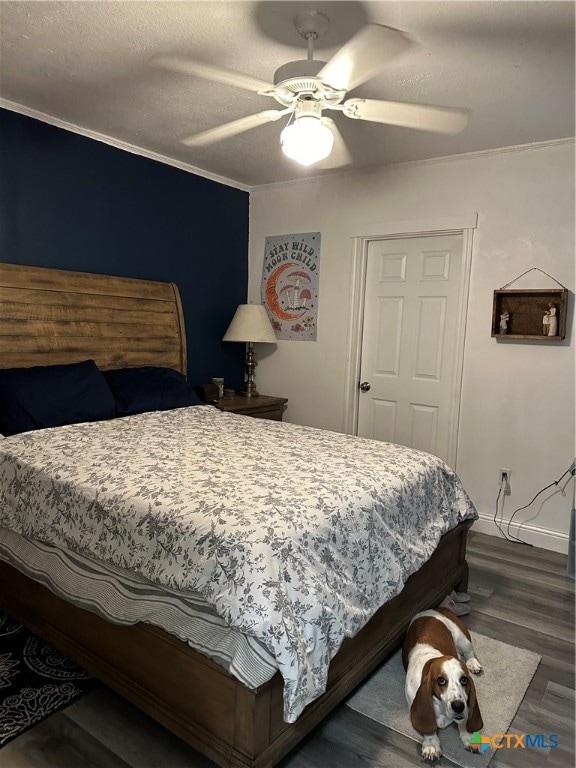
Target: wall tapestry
(290,284)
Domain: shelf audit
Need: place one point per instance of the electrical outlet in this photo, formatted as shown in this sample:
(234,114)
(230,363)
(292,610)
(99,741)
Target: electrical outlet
(504,480)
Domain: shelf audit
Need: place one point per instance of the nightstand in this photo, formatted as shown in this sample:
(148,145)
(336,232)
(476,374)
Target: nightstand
(261,407)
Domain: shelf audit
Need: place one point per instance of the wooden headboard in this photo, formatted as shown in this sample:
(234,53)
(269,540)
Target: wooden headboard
(54,316)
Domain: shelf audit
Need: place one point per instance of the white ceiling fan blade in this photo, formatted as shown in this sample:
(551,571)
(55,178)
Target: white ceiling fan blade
(340,155)
(364,56)
(188,66)
(232,129)
(420,116)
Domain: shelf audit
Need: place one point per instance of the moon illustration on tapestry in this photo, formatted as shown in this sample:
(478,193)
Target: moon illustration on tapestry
(272,298)
(290,284)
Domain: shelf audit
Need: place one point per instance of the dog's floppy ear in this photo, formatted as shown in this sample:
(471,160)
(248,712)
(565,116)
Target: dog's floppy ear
(474,722)
(422,713)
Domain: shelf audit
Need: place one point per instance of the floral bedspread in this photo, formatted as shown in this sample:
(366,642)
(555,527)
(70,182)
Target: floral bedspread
(294,535)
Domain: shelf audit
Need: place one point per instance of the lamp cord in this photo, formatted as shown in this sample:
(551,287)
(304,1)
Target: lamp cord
(509,536)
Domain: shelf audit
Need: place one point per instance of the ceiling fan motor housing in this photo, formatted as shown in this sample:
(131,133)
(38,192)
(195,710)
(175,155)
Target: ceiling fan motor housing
(305,70)
(298,78)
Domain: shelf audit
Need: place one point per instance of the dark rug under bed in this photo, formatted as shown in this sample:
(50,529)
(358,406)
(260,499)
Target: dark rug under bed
(36,680)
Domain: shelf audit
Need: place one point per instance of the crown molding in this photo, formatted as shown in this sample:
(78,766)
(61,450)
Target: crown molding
(156,156)
(13,106)
(482,153)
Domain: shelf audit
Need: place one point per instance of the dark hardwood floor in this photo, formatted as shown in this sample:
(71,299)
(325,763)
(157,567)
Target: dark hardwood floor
(519,595)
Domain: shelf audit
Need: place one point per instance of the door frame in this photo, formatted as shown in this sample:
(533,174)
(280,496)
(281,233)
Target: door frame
(394,230)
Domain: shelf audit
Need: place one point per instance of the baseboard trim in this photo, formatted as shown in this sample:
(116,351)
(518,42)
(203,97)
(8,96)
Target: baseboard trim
(532,534)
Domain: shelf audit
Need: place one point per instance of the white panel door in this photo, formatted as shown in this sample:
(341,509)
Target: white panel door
(409,352)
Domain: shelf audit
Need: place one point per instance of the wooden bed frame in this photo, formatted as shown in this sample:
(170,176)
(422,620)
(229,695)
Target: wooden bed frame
(52,316)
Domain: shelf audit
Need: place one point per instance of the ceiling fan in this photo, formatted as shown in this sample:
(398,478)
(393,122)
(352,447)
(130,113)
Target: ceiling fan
(306,88)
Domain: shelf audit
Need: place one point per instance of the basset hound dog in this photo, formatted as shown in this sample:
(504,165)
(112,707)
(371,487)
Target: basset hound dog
(439,689)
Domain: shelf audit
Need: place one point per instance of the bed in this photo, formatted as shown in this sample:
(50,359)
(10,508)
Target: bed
(60,317)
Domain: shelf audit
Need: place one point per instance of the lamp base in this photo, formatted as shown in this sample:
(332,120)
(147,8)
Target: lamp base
(245,393)
(250,365)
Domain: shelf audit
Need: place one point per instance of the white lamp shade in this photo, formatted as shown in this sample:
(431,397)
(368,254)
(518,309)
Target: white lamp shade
(307,140)
(250,323)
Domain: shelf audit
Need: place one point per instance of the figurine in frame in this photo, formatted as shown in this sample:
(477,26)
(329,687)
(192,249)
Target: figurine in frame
(552,320)
(546,322)
(504,318)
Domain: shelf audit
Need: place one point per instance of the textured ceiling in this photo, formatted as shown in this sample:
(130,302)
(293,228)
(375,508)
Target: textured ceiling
(86,64)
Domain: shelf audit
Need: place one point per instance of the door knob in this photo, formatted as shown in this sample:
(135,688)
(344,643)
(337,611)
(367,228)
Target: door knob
(365,386)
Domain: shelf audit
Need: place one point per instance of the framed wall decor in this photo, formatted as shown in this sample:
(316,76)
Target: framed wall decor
(532,313)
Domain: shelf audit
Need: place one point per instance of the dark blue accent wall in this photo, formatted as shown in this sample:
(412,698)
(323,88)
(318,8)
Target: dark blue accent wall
(69,202)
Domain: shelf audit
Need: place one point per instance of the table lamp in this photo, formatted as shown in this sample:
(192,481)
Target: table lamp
(250,324)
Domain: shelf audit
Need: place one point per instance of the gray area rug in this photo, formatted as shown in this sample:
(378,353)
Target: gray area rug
(500,690)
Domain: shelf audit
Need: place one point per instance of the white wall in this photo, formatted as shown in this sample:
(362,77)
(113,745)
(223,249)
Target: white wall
(518,399)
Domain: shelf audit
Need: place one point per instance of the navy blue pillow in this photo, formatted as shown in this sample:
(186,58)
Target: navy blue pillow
(53,395)
(151,388)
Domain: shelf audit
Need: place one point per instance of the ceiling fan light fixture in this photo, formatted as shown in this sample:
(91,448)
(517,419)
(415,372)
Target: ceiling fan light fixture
(307,140)
(307,87)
